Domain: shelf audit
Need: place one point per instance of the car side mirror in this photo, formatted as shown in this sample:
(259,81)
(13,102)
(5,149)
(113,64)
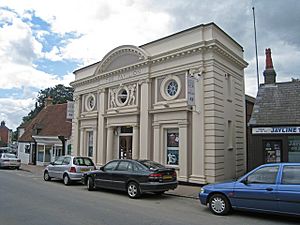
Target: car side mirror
(244,181)
(52,163)
(102,168)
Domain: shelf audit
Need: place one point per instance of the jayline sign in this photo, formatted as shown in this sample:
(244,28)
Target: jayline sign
(276,130)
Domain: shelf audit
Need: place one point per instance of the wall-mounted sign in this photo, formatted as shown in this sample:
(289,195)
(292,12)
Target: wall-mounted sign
(70,110)
(191,90)
(276,130)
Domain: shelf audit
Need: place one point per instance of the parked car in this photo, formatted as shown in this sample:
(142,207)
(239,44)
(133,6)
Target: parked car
(134,176)
(8,160)
(270,188)
(68,168)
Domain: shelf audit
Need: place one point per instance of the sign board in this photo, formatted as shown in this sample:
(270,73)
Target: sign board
(191,90)
(276,130)
(70,110)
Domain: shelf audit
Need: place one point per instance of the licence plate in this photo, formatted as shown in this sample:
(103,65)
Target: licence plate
(167,177)
(84,170)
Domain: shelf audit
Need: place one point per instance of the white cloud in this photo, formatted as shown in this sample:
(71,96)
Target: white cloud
(19,107)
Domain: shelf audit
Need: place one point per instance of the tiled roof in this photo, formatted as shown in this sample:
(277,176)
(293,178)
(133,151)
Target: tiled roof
(277,104)
(50,121)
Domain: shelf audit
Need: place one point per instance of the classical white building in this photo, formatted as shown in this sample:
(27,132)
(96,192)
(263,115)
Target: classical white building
(178,100)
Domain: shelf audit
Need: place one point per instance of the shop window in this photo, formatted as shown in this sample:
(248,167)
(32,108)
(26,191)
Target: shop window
(90,143)
(172,146)
(27,149)
(41,149)
(294,149)
(272,150)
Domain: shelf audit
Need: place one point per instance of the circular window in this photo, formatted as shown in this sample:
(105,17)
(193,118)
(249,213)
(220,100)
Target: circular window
(170,87)
(122,96)
(90,102)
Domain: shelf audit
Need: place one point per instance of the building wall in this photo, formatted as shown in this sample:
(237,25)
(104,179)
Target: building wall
(211,130)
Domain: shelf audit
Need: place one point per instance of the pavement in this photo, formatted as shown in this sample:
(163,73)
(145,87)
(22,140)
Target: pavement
(183,190)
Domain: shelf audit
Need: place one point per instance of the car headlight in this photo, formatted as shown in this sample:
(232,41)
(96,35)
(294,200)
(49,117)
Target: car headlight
(202,190)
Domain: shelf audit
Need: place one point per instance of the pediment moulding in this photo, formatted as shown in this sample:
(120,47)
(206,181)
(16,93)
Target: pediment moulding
(140,57)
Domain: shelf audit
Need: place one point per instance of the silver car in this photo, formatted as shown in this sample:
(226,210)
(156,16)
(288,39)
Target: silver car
(8,160)
(68,168)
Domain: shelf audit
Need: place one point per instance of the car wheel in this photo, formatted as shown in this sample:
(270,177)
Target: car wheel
(133,190)
(66,179)
(90,184)
(219,204)
(17,167)
(46,176)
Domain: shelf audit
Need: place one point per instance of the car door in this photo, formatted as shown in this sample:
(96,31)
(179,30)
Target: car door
(289,190)
(258,190)
(121,174)
(64,166)
(53,168)
(103,177)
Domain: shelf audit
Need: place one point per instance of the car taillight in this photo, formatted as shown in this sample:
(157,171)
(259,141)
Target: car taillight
(72,169)
(174,174)
(155,175)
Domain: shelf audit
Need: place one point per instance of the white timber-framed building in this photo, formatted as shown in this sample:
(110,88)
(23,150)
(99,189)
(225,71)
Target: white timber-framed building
(179,100)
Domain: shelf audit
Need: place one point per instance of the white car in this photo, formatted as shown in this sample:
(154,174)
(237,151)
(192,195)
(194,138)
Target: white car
(8,160)
(68,168)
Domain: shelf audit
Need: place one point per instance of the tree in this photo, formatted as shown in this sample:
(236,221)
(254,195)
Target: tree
(59,94)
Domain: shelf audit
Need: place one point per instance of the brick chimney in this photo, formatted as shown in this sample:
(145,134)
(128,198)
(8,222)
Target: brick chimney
(269,73)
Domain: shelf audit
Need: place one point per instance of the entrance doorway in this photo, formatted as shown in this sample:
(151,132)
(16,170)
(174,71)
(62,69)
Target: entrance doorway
(125,147)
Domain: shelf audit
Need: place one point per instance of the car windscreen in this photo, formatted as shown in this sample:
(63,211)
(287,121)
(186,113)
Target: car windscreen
(151,165)
(10,156)
(82,161)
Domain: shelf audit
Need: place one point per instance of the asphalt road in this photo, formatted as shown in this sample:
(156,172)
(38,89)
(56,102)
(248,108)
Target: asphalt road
(25,199)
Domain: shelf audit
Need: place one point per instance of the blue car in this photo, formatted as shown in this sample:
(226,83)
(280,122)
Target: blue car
(270,188)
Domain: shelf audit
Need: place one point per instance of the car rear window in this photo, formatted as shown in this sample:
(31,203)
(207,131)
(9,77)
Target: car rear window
(151,165)
(81,161)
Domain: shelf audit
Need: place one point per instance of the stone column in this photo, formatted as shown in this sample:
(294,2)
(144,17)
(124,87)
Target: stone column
(75,126)
(198,141)
(101,138)
(110,139)
(145,127)
(81,146)
(183,151)
(135,142)
(95,153)
(156,140)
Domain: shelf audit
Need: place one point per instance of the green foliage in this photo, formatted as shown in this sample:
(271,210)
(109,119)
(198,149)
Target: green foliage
(59,94)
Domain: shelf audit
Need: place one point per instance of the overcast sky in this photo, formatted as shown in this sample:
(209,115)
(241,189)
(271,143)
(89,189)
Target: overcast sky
(43,42)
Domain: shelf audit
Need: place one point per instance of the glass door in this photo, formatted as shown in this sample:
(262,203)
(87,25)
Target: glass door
(125,147)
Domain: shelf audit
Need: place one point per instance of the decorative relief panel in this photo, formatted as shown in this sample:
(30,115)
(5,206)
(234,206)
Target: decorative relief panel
(124,95)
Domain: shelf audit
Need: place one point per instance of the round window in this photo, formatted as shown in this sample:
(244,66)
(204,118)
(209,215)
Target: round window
(90,102)
(172,88)
(122,97)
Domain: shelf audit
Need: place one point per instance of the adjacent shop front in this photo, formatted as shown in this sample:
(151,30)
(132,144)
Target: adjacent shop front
(275,144)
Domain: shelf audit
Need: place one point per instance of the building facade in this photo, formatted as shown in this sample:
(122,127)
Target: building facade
(5,135)
(178,100)
(46,136)
(275,120)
